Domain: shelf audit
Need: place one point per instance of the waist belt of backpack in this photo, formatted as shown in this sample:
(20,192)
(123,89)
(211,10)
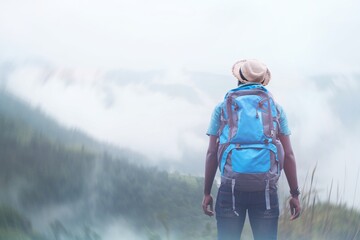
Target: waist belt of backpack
(232,181)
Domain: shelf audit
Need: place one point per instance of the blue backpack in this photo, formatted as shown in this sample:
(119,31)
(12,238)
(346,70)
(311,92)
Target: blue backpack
(250,153)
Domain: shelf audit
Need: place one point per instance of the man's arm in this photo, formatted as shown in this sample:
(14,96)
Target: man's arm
(211,166)
(291,175)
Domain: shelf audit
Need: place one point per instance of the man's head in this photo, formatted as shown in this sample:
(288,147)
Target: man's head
(251,70)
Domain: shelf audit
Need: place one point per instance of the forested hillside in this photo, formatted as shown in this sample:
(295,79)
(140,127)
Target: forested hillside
(59,184)
(61,181)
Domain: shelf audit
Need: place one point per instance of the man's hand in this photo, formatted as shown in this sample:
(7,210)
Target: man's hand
(207,205)
(295,208)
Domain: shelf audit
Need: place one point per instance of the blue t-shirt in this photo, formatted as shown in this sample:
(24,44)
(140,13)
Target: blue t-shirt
(215,122)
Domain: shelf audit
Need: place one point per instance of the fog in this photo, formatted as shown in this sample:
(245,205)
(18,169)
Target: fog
(164,115)
(147,75)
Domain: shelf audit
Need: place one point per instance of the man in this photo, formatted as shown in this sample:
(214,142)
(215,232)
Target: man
(233,202)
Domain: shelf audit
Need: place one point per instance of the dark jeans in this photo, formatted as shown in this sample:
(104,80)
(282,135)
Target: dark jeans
(264,223)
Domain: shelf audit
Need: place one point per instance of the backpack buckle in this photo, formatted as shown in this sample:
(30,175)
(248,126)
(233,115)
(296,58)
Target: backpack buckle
(272,132)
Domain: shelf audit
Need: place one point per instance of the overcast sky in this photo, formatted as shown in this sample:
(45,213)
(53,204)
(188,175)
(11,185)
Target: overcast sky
(102,66)
(197,35)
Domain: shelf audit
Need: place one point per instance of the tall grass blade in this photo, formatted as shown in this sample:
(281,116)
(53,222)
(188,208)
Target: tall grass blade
(356,186)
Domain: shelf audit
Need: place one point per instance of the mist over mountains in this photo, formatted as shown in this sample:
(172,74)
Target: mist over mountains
(159,114)
(93,91)
(71,180)
(70,186)
(163,115)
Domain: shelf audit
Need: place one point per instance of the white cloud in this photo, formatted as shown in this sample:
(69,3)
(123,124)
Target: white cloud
(296,40)
(138,118)
(144,117)
(314,36)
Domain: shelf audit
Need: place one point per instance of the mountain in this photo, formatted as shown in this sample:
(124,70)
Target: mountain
(160,114)
(60,177)
(58,183)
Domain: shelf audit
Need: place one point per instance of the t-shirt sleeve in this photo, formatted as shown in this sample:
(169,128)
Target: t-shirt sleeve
(214,125)
(283,122)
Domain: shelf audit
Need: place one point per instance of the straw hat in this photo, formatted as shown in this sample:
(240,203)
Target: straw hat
(251,70)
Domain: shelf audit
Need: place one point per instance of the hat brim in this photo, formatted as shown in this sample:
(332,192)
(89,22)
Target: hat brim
(236,70)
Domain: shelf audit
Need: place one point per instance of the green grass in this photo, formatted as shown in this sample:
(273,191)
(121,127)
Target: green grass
(320,219)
